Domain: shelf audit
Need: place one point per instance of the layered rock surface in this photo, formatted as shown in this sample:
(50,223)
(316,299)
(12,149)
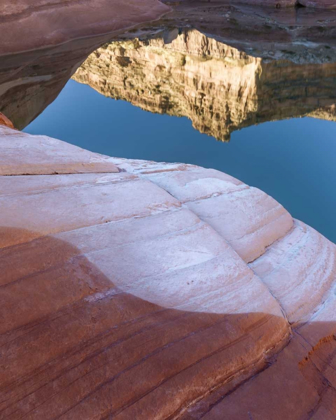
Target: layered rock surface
(119,289)
(31,24)
(30,82)
(299,34)
(132,289)
(42,155)
(220,88)
(43,43)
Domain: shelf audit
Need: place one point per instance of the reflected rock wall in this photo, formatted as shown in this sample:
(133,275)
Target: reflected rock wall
(219,88)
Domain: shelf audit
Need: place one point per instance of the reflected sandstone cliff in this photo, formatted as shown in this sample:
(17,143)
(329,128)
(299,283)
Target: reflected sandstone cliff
(219,88)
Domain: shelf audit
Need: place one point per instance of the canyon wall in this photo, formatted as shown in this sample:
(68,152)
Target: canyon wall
(31,24)
(30,82)
(43,42)
(219,88)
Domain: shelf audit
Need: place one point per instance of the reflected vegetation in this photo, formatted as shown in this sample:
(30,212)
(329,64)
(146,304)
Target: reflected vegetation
(219,88)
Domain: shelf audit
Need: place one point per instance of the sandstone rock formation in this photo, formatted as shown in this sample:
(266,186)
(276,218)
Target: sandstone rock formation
(57,37)
(30,82)
(138,290)
(43,155)
(158,291)
(298,34)
(220,88)
(31,24)
(5,121)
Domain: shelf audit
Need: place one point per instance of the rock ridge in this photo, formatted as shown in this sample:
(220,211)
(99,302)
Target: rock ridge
(176,279)
(25,25)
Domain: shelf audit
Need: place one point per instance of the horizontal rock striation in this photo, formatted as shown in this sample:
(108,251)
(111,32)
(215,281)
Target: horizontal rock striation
(44,42)
(119,289)
(43,155)
(220,88)
(30,82)
(29,24)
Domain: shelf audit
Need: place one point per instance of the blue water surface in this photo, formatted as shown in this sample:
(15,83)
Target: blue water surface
(293,160)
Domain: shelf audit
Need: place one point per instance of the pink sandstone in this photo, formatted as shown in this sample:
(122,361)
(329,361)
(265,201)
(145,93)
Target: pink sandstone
(119,289)
(140,290)
(43,155)
(31,24)
(5,121)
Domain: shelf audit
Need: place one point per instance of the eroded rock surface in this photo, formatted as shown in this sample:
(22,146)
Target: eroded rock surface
(43,43)
(31,24)
(138,290)
(30,82)
(121,288)
(5,121)
(44,155)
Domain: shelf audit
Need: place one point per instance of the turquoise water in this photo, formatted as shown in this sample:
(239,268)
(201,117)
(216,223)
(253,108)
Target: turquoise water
(292,160)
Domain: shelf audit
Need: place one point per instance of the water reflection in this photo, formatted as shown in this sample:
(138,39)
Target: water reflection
(221,73)
(223,66)
(219,88)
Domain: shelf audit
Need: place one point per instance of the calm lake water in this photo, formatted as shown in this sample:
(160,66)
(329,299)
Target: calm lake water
(293,160)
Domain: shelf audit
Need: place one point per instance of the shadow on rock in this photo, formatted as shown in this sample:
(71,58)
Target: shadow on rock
(75,345)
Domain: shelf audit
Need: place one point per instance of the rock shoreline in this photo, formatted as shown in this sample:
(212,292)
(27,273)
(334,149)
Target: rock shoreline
(28,25)
(142,290)
(124,281)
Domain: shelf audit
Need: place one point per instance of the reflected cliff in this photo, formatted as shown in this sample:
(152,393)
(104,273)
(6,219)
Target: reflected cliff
(218,87)
(223,66)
